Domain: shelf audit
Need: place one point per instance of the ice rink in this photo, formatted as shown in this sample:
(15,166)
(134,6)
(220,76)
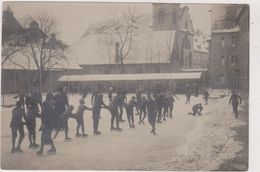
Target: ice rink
(175,147)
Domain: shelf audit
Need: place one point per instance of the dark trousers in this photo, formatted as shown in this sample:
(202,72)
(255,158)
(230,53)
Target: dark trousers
(121,107)
(114,116)
(80,124)
(142,115)
(14,135)
(159,113)
(171,109)
(96,115)
(235,107)
(152,120)
(130,117)
(31,126)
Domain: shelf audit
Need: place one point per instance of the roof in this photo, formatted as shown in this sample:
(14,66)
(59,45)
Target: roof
(194,70)
(230,30)
(200,43)
(131,77)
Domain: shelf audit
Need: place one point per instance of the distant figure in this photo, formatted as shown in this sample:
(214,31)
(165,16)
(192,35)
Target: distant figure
(48,123)
(152,112)
(160,100)
(98,104)
(16,124)
(196,109)
(94,95)
(80,119)
(170,101)
(130,111)
(142,108)
(188,94)
(206,97)
(235,99)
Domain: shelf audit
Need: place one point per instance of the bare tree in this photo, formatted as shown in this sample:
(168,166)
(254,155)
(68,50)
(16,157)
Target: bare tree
(43,48)
(124,28)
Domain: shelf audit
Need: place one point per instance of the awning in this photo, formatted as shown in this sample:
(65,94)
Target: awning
(131,77)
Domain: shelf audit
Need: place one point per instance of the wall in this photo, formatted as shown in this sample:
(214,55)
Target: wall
(243,21)
(220,69)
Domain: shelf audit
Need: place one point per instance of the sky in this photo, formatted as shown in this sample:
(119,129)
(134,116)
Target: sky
(74,18)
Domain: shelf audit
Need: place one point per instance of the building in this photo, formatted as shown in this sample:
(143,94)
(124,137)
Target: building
(243,52)
(229,54)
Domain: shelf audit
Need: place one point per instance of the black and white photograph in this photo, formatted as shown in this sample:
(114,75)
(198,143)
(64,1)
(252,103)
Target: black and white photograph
(125,86)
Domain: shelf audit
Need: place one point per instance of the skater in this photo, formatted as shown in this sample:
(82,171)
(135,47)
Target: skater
(196,109)
(32,114)
(64,118)
(98,104)
(170,101)
(160,103)
(235,99)
(130,111)
(62,102)
(18,114)
(206,97)
(152,111)
(113,108)
(122,102)
(48,121)
(80,118)
(110,95)
(187,94)
(142,109)
(165,108)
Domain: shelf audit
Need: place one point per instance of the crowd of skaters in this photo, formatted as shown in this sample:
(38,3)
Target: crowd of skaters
(55,112)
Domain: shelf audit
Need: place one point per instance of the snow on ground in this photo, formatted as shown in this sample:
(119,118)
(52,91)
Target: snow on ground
(182,143)
(210,143)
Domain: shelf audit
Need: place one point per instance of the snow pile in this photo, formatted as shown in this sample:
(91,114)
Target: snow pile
(210,143)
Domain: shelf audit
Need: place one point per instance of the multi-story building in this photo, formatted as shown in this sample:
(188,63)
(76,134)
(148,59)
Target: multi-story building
(229,55)
(243,22)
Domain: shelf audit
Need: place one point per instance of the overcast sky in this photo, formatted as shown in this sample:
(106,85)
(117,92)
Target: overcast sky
(74,18)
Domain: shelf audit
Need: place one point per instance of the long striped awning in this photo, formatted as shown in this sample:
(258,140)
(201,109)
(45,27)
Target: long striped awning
(131,77)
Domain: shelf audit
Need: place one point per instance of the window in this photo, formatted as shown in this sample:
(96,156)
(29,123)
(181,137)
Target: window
(234,41)
(161,17)
(223,61)
(222,42)
(233,60)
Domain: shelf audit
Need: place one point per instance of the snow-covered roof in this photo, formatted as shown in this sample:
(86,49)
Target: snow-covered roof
(97,46)
(230,30)
(194,70)
(131,77)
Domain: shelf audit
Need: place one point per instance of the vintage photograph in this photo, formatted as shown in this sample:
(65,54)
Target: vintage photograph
(124,86)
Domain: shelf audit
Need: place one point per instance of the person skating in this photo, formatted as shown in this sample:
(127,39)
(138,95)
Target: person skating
(122,101)
(152,112)
(80,118)
(170,101)
(98,104)
(48,122)
(206,97)
(142,109)
(235,99)
(113,108)
(160,103)
(18,114)
(196,110)
(130,111)
(110,95)
(64,118)
(32,114)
